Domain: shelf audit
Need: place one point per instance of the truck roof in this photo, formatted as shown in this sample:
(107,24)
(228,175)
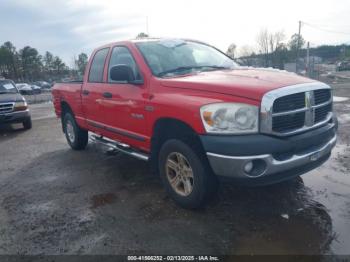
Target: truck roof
(147,39)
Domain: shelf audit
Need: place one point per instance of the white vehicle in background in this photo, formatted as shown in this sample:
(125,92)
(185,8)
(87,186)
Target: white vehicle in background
(43,84)
(25,89)
(36,89)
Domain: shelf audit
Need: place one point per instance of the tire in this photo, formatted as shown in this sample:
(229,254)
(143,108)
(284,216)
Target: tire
(76,137)
(200,187)
(27,124)
(294,182)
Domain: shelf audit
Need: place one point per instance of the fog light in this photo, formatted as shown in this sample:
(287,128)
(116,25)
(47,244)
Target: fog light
(248,167)
(255,168)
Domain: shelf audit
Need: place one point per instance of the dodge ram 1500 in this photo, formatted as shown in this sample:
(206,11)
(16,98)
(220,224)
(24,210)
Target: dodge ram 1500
(197,116)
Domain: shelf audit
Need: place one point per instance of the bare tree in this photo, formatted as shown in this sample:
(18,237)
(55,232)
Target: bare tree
(268,43)
(231,50)
(276,41)
(263,39)
(245,55)
(245,51)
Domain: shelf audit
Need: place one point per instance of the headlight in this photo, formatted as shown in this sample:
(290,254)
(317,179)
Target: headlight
(230,118)
(21,105)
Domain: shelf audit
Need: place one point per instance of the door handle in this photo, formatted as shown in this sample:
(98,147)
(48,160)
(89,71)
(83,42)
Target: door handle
(107,95)
(86,92)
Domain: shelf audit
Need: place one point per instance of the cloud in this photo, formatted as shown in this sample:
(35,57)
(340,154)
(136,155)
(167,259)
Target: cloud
(69,27)
(64,28)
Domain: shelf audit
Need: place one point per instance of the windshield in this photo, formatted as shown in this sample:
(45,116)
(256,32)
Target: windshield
(176,57)
(7,87)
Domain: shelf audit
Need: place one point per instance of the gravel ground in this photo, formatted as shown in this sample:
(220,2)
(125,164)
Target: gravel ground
(57,201)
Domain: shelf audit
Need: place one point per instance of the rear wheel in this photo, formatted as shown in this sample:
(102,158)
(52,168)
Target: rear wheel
(185,174)
(77,138)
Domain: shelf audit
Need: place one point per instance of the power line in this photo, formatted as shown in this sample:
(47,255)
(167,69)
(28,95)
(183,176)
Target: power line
(329,25)
(326,30)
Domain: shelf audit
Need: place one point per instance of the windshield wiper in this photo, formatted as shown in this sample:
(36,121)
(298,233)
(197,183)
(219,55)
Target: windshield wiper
(215,67)
(177,69)
(184,68)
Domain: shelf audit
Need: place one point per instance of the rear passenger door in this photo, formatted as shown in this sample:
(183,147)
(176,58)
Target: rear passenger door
(92,90)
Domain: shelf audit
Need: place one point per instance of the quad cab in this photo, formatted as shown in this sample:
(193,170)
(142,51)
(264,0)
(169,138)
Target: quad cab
(197,116)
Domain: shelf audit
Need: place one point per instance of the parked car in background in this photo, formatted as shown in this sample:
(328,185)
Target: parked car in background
(343,66)
(24,89)
(13,106)
(36,89)
(43,84)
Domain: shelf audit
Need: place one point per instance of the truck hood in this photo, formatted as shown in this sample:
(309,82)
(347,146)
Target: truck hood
(250,83)
(10,98)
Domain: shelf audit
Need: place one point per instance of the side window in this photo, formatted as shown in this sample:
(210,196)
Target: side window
(122,56)
(97,65)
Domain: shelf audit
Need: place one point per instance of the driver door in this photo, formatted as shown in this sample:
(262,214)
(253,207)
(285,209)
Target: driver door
(123,103)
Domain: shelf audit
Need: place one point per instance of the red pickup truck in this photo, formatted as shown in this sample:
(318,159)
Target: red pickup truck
(197,116)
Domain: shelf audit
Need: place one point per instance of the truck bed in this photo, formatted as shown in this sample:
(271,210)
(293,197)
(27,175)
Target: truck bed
(67,91)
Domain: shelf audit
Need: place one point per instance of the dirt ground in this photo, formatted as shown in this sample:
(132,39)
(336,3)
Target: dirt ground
(55,200)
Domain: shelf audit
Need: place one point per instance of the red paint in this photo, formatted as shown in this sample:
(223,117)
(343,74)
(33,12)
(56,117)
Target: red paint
(177,97)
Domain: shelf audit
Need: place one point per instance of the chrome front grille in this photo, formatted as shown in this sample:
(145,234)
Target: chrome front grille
(6,108)
(288,122)
(289,102)
(294,109)
(322,112)
(322,96)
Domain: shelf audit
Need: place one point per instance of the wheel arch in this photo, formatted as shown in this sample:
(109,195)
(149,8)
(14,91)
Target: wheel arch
(65,107)
(168,128)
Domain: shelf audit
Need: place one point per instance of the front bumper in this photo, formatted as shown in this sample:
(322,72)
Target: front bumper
(14,117)
(271,159)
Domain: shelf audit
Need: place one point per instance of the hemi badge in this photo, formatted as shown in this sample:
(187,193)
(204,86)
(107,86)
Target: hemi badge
(138,116)
(149,108)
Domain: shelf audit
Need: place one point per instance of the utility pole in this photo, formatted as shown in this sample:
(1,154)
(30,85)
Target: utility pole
(308,59)
(298,43)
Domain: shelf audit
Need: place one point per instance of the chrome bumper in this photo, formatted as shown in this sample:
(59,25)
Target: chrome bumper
(13,117)
(233,166)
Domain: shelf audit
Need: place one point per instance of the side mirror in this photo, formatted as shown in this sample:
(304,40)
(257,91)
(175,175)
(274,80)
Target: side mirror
(123,73)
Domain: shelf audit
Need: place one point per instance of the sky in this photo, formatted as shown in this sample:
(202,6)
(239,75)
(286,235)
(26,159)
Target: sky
(69,27)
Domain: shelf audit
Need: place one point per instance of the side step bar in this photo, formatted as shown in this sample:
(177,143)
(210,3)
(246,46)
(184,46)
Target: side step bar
(123,148)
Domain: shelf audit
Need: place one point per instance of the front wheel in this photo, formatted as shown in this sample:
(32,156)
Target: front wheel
(77,138)
(186,174)
(27,124)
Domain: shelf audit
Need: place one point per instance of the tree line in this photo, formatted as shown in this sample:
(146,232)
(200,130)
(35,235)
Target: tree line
(274,50)
(28,65)
(271,49)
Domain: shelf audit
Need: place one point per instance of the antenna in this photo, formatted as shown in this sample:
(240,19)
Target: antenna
(147,32)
